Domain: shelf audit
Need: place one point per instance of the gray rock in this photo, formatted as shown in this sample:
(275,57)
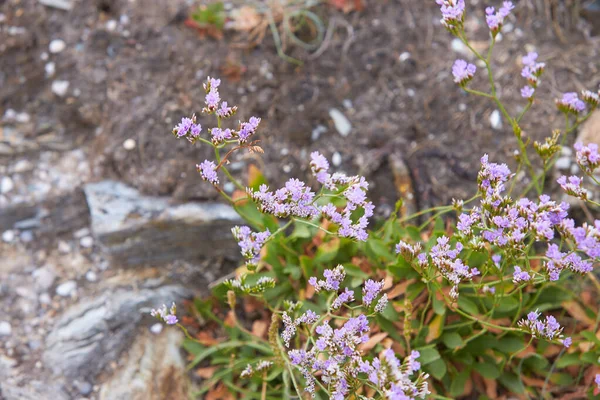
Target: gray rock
(84,387)
(34,390)
(44,278)
(94,333)
(133,229)
(152,369)
(342,124)
(5,328)
(66,289)
(60,4)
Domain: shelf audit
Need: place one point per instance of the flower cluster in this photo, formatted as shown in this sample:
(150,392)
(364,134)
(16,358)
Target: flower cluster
(248,129)
(250,242)
(586,237)
(573,186)
(570,103)
(239,285)
(212,99)
(332,281)
(558,261)
(453,12)
(167,316)
(587,157)
(520,276)
(593,99)
(532,71)
(290,325)
(550,146)
(261,366)
(208,171)
(548,328)
(353,219)
(495,19)
(188,128)
(463,72)
(491,179)
(448,263)
(295,199)
(409,252)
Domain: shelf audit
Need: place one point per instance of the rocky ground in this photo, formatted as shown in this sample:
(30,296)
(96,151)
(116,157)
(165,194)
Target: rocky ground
(102,215)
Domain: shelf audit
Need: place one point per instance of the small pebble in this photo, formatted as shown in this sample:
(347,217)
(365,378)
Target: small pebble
(64,247)
(56,46)
(404,56)
(316,133)
(26,236)
(336,159)
(23,118)
(6,185)
(285,151)
(84,388)
(342,125)
(229,187)
(111,25)
(129,144)
(8,236)
(44,278)
(50,69)
(91,276)
(86,241)
(156,328)
(287,168)
(496,120)
(124,19)
(5,328)
(459,47)
(45,298)
(66,289)
(566,151)
(60,88)
(347,103)
(563,163)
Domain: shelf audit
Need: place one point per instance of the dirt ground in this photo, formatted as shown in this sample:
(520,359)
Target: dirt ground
(134,68)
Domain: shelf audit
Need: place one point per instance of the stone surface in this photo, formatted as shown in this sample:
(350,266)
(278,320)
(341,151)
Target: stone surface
(153,369)
(590,129)
(340,121)
(93,333)
(133,229)
(34,390)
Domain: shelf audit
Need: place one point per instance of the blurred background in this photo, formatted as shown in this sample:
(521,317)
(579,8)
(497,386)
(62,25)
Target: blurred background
(102,214)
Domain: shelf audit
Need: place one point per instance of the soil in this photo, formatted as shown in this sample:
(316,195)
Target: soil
(134,69)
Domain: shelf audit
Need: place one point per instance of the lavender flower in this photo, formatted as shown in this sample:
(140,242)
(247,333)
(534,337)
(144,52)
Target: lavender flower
(558,261)
(225,111)
(531,71)
(527,92)
(466,221)
(346,297)
(167,316)
(520,275)
(319,167)
(333,279)
(371,290)
(548,329)
(587,157)
(213,97)
(593,99)
(250,242)
(567,342)
(293,200)
(450,266)
(496,19)
(220,135)
(248,129)
(382,304)
(597,381)
(453,12)
(463,72)
(573,186)
(208,171)
(570,103)
(183,127)
(408,252)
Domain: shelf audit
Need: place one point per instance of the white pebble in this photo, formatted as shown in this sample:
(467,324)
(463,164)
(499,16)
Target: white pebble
(285,151)
(50,69)
(462,107)
(26,236)
(66,289)
(91,276)
(336,159)
(410,92)
(45,298)
(56,46)
(459,47)
(563,163)
(404,56)
(496,120)
(6,185)
(86,242)
(111,25)
(44,56)
(64,247)
(347,103)
(8,236)
(316,133)
(124,19)
(229,187)
(5,328)
(156,328)
(287,168)
(60,88)
(22,118)
(566,151)
(129,144)
(342,125)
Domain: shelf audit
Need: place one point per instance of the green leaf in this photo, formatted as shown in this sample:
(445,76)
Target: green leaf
(413,233)
(457,387)
(512,382)
(428,354)
(467,305)
(568,360)
(379,249)
(203,354)
(590,358)
(508,344)
(327,251)
(487,369)
(353,270)
(306,263)
(389,327)
(439,307)
(591,337)
(437,369)
(452,340)
(507,304)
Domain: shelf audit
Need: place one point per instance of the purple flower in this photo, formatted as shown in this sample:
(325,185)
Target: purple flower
(520,275)
(408,252)
(558,261)
(250,243)
(548,329)
(294,199)
(333,278)
(212,99)
(183,127)
(590,97)
(224,111)
(446,260)
(527,92)
(248,129)
(496,19)
(587,157)
(381,303)
(370,290)
(597,381)
(452,13)
(309,317)
(208,171)
(220,135)
(463,72)
(570,103)
(567,342)
(346,297)
(573,186)
(168,316)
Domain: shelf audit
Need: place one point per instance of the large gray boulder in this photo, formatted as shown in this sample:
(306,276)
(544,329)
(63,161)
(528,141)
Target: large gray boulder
(133,229)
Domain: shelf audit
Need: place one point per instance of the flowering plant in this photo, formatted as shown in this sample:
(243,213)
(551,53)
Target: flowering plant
(403,311)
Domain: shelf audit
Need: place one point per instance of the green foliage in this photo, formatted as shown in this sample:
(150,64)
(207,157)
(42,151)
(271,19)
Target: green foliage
(210,15)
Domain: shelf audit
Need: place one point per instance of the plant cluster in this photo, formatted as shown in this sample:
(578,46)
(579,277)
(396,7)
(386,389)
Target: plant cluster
(402,311)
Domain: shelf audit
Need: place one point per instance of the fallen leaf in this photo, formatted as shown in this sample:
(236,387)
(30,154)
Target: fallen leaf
(399,289)
(259,328)
(491,388)
(206,339)
(435,328)
(219,392)
(578,312)
(206,373)
(532,381)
